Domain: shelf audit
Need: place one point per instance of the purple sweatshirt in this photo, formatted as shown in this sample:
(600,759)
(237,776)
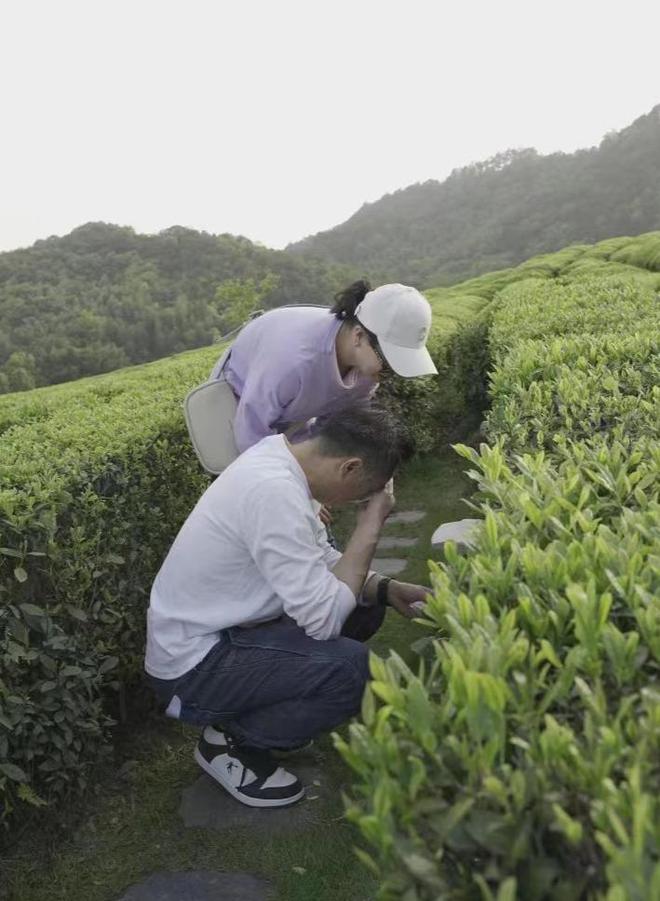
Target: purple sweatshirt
(283,367)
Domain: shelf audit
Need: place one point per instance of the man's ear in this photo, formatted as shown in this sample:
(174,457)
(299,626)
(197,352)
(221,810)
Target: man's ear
(351,466)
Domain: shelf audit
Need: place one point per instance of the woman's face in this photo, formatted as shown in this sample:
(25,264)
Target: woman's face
(369,360)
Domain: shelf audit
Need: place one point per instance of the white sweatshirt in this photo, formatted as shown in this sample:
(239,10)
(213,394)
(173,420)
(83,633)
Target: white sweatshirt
(252,549)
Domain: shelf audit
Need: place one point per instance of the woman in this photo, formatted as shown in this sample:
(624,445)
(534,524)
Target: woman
(294,364)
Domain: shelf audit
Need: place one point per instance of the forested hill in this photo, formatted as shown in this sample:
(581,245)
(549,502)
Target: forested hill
(104,297)
(499,212)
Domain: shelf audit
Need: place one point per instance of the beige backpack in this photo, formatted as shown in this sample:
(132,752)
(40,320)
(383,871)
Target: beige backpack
(210,410)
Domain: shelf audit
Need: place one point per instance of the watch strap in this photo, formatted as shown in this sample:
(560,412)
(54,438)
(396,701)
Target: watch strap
(382,591)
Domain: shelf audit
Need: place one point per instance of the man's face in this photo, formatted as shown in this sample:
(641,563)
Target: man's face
(350,481)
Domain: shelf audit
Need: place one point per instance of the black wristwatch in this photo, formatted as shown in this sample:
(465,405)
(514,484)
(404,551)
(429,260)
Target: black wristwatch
(381,591)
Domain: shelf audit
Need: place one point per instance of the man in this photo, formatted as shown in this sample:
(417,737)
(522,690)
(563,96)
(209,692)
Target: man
(256,624)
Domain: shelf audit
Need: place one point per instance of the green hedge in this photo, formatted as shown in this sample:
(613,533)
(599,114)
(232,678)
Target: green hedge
(643,252)
(521,758)
(438,415)
(91,494)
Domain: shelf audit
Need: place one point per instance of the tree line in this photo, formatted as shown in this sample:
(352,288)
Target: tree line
(104,297)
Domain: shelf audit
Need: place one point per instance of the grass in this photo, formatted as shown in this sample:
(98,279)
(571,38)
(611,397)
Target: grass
(129,826)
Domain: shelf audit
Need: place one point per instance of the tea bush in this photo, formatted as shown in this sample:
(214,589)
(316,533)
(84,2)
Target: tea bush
(521,758)
(526,746)
(91,493)
(644,252)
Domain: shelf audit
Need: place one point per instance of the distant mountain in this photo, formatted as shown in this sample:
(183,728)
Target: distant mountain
(499,212)
(103,297)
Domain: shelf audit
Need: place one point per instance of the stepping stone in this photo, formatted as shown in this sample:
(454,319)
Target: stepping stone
(200,885)
(406,516)
(387,543)
(207,804)
(389,566)
(462,532)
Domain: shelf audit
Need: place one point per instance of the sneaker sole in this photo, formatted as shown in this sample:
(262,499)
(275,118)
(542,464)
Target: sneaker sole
(285,753)
(244,799)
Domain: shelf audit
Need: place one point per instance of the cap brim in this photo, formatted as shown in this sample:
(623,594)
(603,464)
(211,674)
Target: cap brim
(409,362)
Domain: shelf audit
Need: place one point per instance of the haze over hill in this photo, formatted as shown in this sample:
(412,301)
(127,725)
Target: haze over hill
(496,213)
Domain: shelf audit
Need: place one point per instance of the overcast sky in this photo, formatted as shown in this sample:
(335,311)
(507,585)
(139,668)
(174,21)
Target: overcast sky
(279,118)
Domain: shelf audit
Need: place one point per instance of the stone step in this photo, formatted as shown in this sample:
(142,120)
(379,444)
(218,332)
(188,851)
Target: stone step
(406,516)
(389,543)
(462,532)
(200,885)
(389,566)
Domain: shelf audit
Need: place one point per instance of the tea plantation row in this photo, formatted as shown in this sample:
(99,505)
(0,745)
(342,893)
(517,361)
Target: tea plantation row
(522,758)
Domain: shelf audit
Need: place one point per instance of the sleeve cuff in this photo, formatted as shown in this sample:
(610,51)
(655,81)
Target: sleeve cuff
(361,602)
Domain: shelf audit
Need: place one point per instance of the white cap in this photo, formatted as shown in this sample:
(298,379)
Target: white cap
(400,317)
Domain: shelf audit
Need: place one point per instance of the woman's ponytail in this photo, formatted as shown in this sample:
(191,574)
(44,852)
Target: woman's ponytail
(347,300)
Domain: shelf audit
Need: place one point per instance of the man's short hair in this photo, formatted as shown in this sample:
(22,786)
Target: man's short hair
(370,432)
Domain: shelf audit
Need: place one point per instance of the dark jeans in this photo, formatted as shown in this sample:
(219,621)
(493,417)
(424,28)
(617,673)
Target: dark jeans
(272,686)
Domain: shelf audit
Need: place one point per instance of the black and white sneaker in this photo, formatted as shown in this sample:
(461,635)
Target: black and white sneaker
(250,775)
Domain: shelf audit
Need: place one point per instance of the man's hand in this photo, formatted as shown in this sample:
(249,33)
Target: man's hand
(379,506)
(406,598)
